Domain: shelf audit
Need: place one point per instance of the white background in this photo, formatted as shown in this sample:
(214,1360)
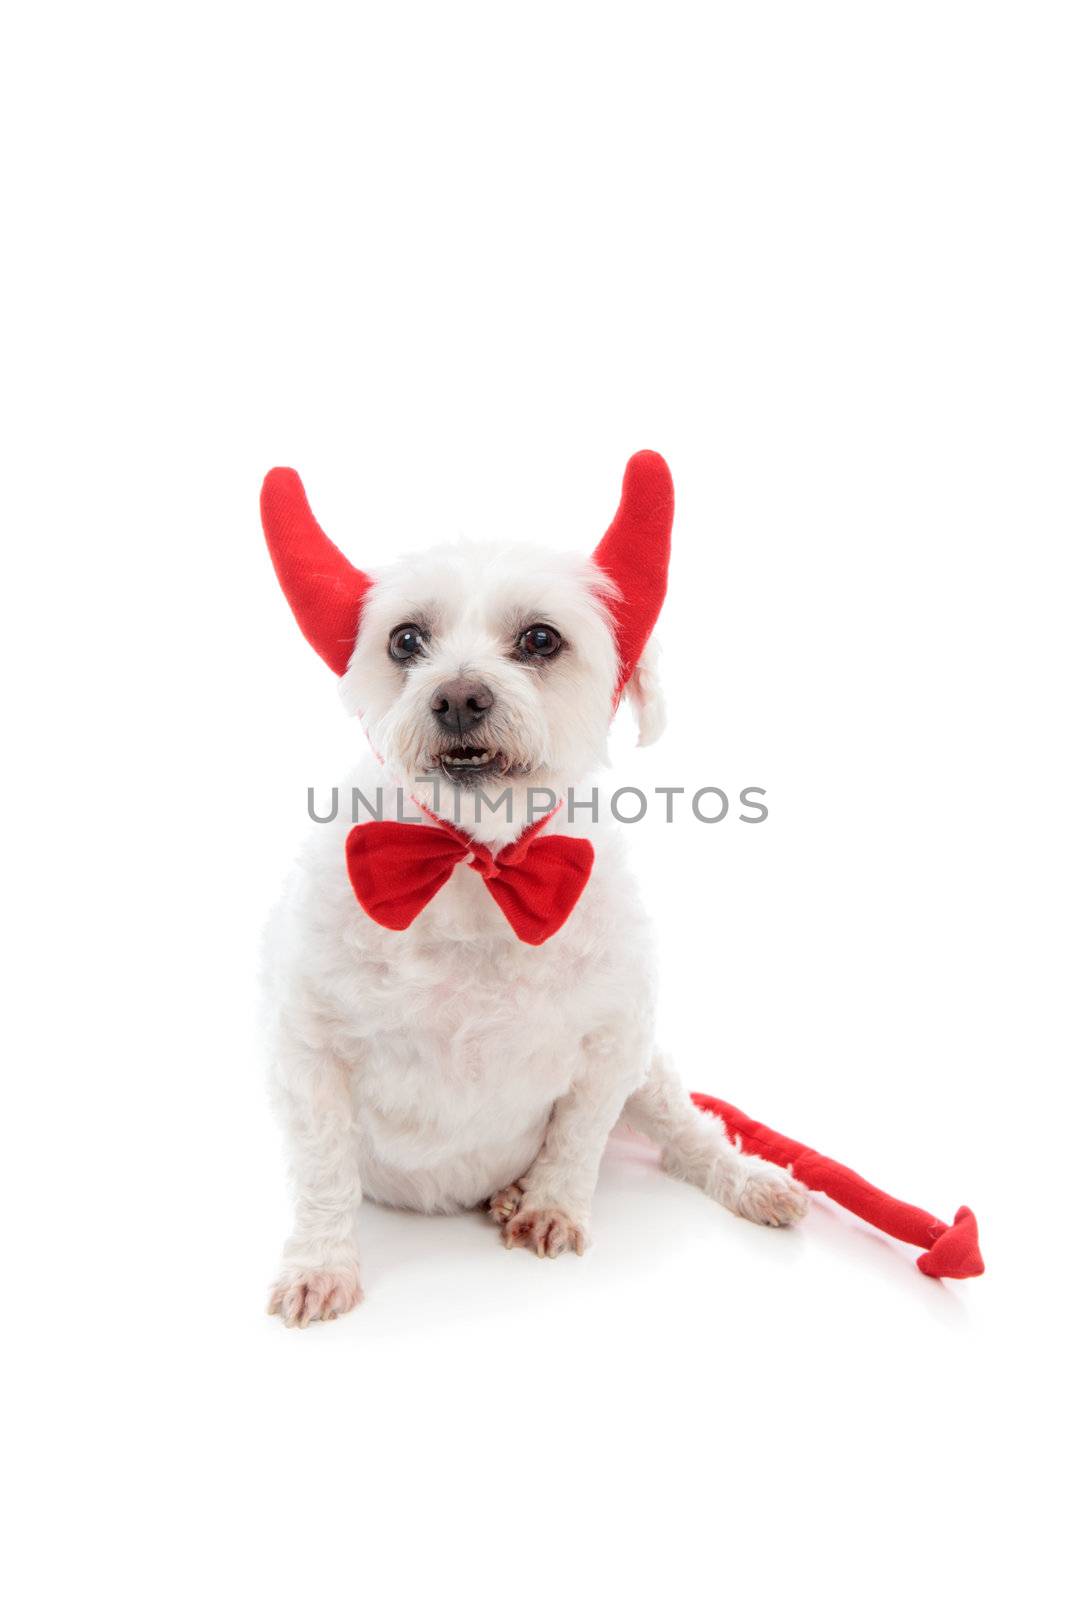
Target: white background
(455,262)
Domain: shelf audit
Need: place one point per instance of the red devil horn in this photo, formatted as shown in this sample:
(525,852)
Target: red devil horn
(324,590)
(634,553)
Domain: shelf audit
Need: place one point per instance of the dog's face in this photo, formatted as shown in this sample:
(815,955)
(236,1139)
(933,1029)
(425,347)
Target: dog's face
(485,666)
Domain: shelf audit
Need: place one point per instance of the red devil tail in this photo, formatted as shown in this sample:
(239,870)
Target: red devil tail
(950,1250)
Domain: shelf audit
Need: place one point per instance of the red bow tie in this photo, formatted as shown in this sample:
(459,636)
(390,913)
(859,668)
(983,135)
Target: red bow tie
(396,868)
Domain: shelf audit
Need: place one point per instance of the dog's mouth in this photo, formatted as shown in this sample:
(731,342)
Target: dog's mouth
(471,763)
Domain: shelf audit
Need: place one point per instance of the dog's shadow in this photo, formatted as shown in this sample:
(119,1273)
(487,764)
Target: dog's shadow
(432,1271)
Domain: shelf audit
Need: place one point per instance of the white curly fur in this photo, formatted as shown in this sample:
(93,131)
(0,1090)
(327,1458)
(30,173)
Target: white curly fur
(450,1065)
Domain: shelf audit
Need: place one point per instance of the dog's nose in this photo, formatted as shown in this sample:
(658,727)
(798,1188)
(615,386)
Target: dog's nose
(460,704)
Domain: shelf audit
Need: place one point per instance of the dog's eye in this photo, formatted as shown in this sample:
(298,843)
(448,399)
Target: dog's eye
(406,642)
(540,641)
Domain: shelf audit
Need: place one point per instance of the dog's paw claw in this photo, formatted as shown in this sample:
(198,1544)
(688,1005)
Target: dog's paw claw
(547,1232)
(505,1202)
(303,1297)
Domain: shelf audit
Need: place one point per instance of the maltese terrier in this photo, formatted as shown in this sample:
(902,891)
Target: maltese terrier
(442,1038)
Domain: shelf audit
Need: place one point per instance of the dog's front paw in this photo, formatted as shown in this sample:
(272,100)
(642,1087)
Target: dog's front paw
(768,1194)
(546,1230)
(300,1297)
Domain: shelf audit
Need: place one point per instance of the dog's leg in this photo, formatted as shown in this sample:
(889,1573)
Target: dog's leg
(548,1209)
(319,1275)
(696,1147)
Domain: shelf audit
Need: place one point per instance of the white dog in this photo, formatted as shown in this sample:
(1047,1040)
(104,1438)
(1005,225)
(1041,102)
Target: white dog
(453,1062)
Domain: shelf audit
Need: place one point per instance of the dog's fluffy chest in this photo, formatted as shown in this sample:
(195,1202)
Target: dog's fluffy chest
(459,1037)
(460,1022)
(460,1056)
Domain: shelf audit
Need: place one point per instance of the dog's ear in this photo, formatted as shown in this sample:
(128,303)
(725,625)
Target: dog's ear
(644,691)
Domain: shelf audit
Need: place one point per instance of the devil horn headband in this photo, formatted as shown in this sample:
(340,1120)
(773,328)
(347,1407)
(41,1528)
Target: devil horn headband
(326,591)
(634,554)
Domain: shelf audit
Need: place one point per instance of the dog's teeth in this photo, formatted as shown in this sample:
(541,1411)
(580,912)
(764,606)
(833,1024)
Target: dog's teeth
(479,760)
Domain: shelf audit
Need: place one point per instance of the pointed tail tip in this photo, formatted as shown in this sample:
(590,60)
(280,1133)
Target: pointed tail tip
(955,1253)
